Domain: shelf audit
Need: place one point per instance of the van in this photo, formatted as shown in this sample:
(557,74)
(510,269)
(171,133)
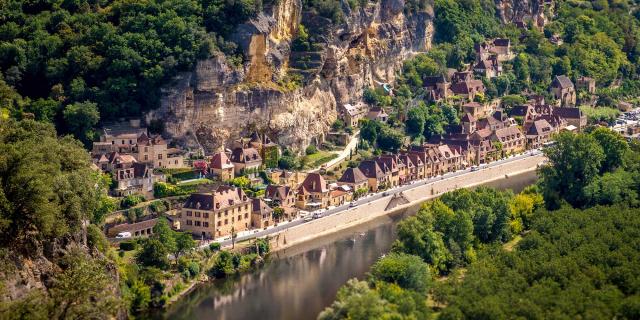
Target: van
(123,235)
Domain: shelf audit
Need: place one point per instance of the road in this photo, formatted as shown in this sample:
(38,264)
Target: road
(376,196)
(351,146)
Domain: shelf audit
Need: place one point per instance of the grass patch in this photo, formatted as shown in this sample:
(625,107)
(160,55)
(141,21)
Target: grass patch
(319,158)
(598,114)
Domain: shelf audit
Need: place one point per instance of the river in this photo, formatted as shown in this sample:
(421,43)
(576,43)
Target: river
(299,282)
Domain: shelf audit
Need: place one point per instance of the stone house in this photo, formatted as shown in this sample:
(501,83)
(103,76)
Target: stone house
(354,178)
(245,159)
(563,90)
(129,175)
(352,114)
(216,214)
(221,167)
(587,84)
(379,114)
(538,133)
(261,214)
(313,193)
(376,178)
(573,116)
(511,139)
(476,109)
(437,88)
(268,150)
(338,197)
(489,68)
(280,195)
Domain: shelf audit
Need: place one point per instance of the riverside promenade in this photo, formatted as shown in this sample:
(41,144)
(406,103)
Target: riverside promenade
(393,200)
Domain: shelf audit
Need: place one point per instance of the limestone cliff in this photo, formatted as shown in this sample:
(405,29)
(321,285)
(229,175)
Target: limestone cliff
(219,102)
(536,11)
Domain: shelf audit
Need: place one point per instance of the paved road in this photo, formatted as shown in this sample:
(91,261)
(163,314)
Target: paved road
(376,196)
(342,155)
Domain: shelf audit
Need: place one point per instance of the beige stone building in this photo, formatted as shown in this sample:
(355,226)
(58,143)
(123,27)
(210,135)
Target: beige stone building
(563,90)
(313,193)
(215,214)
(221,167)
(354,178)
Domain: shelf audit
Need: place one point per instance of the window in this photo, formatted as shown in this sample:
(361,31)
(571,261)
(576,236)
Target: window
(226,221)
(239,217)
(197,223)
(219,223)
(205,224)
(160,156)
(189,213)
(206,215)
(146,149)
(246,215)
(197,214)
(189,222)
(218,214)
(246,206)
(146,157)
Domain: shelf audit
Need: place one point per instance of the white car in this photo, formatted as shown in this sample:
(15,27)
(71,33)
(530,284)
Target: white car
(123,235)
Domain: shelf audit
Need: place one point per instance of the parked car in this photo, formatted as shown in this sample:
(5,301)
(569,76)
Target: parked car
(475,168)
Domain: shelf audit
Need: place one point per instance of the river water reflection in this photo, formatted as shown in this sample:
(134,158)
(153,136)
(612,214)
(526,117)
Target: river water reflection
(298,283)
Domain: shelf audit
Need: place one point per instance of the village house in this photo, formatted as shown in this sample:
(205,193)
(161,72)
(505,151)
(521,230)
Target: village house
(261,214)
(378,113)
(538,133)
(352,114)
(476,109)
(313,193)
(397,169)
(488,68)
(279,195)
(376,178)
(129,176)
(221,167)
(511,140)
(354,178)
(437,88)
(420,167)
(216,214)
(339,196)
(563,90)
(523,114)
(573,116)
(500,48)
(465,86)
(268,150)
(245,159)
(130,138)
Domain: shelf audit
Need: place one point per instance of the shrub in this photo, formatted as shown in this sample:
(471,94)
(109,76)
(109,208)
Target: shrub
(132,200)
(311,149)
(96,238)
(128,245)
(214,246)
(194,268)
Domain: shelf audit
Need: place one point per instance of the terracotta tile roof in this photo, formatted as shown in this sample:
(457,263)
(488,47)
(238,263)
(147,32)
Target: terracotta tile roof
(315,183)
(221,161)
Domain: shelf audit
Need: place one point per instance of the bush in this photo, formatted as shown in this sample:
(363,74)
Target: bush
(194,269)
(311,149)
(132,200)
(96,239)
(214,246)
(128,245)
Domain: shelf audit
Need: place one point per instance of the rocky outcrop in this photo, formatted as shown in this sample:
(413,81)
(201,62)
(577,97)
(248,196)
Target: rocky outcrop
(218,102)
(536,11)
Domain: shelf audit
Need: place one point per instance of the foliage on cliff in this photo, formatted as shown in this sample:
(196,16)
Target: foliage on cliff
(47,192)
(114,53)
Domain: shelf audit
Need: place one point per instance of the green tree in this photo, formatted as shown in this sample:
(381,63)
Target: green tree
(153,253)
(80,118)
(184,243)
(614,147)
(407,271)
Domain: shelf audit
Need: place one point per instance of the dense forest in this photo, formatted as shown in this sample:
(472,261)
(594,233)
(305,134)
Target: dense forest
(105,59)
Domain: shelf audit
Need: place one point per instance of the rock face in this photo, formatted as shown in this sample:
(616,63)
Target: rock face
(218,102)
(525,10)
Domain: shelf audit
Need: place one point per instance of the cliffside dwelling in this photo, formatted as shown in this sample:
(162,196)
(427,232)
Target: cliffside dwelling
(438,88)
(499,48)
(379,114)
(245,159)
(130,138)
(351,114)
(215,214)
(268,150)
